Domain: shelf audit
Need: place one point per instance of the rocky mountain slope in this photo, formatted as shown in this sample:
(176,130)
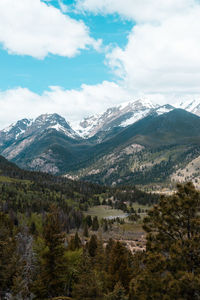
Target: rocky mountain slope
(20,140)
(26,127)
(117,117)
(149,151)
(136,142)
(192,106)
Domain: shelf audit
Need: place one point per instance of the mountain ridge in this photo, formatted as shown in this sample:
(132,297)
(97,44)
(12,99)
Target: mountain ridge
(50,144)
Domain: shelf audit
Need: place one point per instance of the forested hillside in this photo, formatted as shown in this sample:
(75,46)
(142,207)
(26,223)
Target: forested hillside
(40,260)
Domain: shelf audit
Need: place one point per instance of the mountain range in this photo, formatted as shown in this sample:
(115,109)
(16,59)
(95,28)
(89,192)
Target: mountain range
(133,143)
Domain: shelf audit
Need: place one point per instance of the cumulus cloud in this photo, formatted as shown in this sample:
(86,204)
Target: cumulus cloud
(72,104)
(162,53)
(35,28)
(139,11)
(63,7)
(161,58)
(160,62)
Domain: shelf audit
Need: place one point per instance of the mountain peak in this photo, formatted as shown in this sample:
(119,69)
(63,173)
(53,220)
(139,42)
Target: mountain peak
(138,104)
(121,115)
(191,105)
(52,118)
(28,127)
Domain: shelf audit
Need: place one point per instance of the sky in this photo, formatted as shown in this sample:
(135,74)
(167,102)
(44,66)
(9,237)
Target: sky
(79,57)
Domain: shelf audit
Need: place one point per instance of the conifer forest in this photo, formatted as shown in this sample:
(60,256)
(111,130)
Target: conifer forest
(52,248)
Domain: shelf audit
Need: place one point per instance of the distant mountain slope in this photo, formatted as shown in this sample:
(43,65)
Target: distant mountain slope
(26,139)
(49,151)
(126,144)
(192,106)
(148,151)
(119,116)
(48,143)
(176,127)
(28,127)
(44,180)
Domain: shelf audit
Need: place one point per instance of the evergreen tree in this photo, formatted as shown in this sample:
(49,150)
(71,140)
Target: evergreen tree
(88,283)
(95,224)
(105,225)
(119,266)
(88,221)
(117,294)
(170,268)
(75,242)
(92,245)
(51,281)
(85,230)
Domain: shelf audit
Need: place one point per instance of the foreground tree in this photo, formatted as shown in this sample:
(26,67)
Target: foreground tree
(170,268)
(117,294)
(52,278)
(88,284)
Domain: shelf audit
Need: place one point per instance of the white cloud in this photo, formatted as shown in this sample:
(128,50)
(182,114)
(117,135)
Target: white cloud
(138,10)
(35,28)
(162,53)
(161,58)
(63,7)
(160,62)
(72,104)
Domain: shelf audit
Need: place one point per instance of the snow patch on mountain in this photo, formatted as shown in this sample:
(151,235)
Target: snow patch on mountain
(136,117)
(192,106)
(122,115)
(29,127)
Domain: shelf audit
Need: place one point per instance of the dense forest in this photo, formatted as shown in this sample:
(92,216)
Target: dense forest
(51,249)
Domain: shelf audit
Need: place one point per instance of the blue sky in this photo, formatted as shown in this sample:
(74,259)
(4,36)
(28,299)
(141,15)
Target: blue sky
(87,67)
(79,57)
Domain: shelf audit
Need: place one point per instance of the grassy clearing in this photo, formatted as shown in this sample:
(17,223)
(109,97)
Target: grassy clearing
(104,211)
(131,227)
(136,206)
(4,179)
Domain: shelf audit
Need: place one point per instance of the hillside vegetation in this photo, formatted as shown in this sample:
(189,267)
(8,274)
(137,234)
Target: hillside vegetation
(39,259)
(148,152)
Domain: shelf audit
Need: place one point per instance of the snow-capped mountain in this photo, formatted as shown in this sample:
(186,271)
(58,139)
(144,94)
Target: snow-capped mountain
(26,127)
(120,116)
(19,136)
(50,144)
(192,106)
(51,121)
(14,130)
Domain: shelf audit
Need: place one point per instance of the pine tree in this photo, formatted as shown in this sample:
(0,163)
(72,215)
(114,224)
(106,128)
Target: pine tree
(85,230)
(170,267)
(117,294)
(74,243)
(88,283)
(95,224)
(119,266)
(92,245)
(88,221)
(77,241)
(51,281)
